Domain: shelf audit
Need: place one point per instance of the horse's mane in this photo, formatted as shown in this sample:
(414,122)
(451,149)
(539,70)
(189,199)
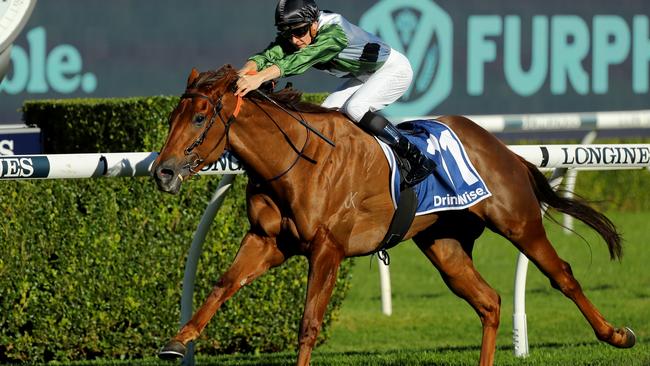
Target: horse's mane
(288,97)
(292,99)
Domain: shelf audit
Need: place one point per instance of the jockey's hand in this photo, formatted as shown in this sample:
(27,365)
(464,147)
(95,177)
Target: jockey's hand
(247,83)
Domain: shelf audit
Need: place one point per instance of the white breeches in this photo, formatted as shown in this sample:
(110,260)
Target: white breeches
(373,92)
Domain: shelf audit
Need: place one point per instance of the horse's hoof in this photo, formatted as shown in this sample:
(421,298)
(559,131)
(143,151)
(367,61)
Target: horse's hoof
(630,338)
(173,350)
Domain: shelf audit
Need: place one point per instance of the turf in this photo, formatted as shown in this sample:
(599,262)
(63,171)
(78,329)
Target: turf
(431,326)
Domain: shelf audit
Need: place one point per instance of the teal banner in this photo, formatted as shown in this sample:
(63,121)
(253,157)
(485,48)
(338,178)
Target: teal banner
(469,57)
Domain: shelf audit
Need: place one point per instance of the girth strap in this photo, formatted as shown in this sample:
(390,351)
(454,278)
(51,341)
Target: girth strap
(400,224)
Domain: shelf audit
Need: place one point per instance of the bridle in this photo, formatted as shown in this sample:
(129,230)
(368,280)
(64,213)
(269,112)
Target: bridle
(216,111)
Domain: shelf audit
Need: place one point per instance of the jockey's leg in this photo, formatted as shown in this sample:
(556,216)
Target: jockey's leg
(381,88)
(373,91)
(419,165)
(368,94)
(337,98)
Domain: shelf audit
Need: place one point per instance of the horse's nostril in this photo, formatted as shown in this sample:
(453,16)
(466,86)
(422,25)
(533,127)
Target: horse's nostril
(165,173)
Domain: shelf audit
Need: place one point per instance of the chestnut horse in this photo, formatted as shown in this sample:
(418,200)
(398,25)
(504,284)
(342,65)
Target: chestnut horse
(299,194)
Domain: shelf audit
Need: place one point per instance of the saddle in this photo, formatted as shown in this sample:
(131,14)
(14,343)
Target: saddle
(454,184)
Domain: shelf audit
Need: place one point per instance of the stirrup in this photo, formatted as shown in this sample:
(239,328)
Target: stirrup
(416,176)
(420,166)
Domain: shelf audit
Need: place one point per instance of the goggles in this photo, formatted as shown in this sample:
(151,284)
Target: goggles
(297,32)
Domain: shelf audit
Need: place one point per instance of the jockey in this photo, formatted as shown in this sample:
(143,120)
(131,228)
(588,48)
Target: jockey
(376,74)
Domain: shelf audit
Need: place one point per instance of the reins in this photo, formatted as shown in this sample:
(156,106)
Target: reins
(299,153)
(300,120)
(216,111)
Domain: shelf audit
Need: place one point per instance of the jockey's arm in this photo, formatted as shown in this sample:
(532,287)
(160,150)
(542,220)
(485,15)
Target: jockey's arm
(248,82)
(275,62)
(250,65)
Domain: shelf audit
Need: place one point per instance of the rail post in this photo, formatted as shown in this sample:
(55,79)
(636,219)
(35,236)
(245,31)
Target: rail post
(519,322)
(195,252)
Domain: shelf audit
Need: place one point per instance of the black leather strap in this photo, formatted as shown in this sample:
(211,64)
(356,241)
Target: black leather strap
(399,226)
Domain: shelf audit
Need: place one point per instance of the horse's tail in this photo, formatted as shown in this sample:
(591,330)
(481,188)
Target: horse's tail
(577,208)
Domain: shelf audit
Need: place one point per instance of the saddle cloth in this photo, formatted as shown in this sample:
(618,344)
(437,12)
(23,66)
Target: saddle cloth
(454,185)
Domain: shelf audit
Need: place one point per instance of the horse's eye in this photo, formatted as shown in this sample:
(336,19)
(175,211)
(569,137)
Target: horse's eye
(198,119)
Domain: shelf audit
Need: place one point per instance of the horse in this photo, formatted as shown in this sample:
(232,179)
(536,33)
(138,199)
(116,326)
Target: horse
(299,186)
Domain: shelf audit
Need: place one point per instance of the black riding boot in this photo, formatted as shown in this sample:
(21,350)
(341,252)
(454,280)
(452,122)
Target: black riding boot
(419,165)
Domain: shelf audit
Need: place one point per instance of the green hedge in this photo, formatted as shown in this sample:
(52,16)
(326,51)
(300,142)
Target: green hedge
(616,190)
(101,125)
(93,268)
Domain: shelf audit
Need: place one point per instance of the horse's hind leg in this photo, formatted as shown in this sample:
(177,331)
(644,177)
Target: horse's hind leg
(458,272)
(255,256)
(529,236)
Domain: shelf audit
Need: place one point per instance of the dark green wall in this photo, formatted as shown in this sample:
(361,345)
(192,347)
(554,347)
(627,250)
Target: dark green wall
(147,47)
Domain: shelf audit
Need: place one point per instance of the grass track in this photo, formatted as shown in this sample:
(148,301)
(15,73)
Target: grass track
(431,326)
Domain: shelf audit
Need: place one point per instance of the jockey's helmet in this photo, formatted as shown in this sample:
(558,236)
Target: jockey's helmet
(290,14)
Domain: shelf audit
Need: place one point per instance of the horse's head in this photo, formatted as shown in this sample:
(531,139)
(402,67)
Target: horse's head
(198,127)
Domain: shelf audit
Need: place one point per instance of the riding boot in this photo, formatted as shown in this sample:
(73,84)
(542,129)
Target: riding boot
(419,166)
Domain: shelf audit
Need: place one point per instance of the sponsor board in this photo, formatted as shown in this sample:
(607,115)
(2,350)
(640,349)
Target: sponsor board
(20,141)
(471,57)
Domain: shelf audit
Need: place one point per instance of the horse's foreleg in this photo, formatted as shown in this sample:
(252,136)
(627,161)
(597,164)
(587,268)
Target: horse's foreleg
(255,256)
(324,261)
(458,272)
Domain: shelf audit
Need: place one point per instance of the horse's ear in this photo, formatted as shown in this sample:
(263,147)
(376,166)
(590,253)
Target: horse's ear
(193,75)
